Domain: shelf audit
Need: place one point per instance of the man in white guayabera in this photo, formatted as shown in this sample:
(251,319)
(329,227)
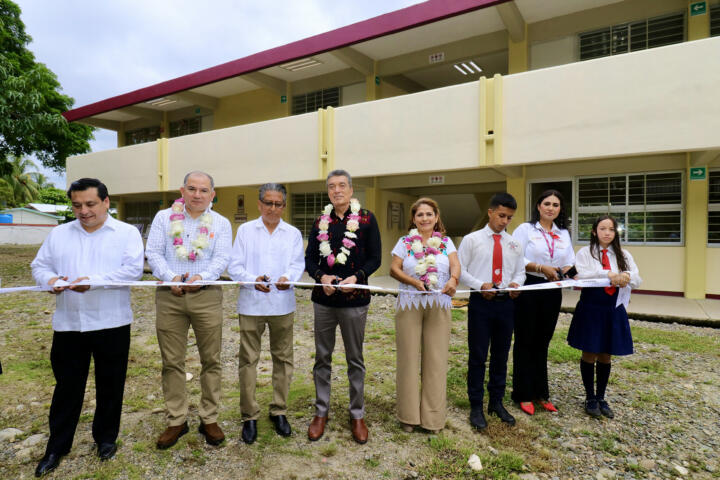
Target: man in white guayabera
(269,251)
(88,320)
(189,242)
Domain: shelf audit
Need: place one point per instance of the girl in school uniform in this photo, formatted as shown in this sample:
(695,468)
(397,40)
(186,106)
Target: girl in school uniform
(600,326)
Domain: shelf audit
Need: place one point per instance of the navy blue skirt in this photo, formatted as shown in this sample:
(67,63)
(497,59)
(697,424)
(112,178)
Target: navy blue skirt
(598,326)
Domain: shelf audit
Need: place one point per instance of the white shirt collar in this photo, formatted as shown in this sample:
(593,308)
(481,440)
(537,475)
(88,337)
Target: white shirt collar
(554,228)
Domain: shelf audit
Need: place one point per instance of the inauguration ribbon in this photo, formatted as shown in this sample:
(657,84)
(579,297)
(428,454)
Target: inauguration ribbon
(585,283)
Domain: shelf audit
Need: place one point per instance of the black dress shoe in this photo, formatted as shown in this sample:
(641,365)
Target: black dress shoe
(48,463)
(498,409)
(106,450)
(477,418)
(605,409)
(592,408)
(249,431)
(282,427)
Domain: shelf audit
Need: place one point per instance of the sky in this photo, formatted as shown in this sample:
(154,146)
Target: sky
(99,49)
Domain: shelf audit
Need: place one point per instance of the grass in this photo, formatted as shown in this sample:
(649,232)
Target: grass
(559,351)
(678,341)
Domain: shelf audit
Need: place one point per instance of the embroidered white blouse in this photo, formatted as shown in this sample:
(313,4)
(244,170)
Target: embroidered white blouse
(407,300)
(590,267)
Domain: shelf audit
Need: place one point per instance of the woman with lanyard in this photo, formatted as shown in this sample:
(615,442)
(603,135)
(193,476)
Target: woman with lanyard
(549,256)
(423,260)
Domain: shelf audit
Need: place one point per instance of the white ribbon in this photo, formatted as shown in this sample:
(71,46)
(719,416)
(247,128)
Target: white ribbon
(151,283)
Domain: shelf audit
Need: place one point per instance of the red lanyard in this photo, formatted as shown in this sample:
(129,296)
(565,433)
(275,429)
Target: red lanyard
(551,248)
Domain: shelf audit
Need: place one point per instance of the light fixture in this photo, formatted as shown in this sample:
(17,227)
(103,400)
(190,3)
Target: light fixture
(467,67)
(160,102)
(301,64)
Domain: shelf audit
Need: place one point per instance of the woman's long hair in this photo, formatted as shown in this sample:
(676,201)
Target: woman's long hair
(615,244)
(561,220)
(439,227)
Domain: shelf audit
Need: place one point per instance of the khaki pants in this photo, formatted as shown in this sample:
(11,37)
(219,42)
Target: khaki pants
(281,349)
(202,310)
(422,337)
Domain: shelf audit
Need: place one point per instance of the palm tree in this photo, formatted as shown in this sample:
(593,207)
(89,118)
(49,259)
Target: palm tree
(19,187)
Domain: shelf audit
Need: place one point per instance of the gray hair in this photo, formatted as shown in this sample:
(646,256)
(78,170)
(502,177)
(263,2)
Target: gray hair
(339,173)
(273,187)
(198,172)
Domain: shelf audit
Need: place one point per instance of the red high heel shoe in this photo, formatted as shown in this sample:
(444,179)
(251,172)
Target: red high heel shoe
(527,407)
(547,405)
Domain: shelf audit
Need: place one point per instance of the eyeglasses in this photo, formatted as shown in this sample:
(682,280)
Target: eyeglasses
(273,204)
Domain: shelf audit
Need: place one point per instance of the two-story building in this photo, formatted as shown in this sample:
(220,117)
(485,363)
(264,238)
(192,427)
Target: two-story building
(614,103)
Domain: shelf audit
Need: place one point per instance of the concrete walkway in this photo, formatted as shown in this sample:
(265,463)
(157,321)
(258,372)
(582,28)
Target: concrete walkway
(642,307)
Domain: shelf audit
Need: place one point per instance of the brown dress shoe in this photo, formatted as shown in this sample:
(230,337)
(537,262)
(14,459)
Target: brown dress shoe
(171,435)
(212,432)
(359,430)
(317,428)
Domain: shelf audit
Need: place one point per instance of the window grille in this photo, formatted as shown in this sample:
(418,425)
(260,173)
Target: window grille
(141,214)
(311,102)
(648,207)
(715,20)
(714,207)
(142,135)
(186,126)
(305,208)
(633,36)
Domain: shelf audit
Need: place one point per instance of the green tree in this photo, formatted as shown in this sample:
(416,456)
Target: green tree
(19,187)
(56,196)
(31,104)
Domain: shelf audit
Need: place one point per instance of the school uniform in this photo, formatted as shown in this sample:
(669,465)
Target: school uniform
(536,312)
(487,257)
(600,322)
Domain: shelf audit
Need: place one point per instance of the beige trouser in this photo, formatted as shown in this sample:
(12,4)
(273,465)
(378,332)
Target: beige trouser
(422,337)
(202,310)
(252,328)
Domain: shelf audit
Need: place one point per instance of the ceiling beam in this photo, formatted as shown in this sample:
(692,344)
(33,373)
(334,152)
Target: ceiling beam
(454,51)
(154,115)
(197,99)
(268,82)
(705,158)
(513,20)
(404,83)
(102,123)
(346,76)
(355,60)
(509,172)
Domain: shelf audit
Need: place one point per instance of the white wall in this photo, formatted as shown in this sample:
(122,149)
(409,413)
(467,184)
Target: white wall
(659,100)
(22,235)
(21,216)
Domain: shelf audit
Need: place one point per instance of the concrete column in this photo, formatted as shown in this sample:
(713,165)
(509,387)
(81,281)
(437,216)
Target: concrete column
(516,186)
(696,228)
(372,90)
(518,57)
(698,25)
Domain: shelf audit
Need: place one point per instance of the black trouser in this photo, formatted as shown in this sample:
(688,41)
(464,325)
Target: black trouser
(490,324)
(536,314)
(70,359)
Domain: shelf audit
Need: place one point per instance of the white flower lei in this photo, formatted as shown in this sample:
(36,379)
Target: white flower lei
(201,241)
(351,227)
(426,268)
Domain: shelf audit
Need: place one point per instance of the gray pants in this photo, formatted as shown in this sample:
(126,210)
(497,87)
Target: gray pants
(352,328)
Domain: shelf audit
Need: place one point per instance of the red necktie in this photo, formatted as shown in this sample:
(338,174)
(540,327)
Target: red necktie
(497,260)
(606,266)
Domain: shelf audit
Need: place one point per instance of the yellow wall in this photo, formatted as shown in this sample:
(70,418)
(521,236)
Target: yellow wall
(388,236)
(387,90)
(248,107)
(227,204)
(655,263)
(712,285)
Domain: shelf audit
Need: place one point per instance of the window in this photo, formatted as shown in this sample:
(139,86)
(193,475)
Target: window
(306,207)
(142,135)
(186,126)
(311,102)
(648,207)
(714,207)
(141,214)
(633,36)
(715,20)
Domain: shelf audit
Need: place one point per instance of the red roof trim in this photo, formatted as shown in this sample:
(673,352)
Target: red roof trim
(393,22)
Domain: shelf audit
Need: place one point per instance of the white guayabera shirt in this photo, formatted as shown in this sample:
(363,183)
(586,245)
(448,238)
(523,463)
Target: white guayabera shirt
(114,252)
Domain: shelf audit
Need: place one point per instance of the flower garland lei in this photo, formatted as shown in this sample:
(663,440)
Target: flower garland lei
(353,223)
(426,267)
(201,241)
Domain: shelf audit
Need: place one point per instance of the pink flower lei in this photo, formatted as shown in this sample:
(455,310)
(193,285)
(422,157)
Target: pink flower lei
(201,241)
(426,267)
(351,226)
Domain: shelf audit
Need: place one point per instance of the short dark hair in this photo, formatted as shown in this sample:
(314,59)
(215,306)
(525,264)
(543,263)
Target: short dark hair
(273,187)
(502,199)
(84,183)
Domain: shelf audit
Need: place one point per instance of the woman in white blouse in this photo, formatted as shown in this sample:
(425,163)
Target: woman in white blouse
(548,255)
(423,261)
(600,326)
